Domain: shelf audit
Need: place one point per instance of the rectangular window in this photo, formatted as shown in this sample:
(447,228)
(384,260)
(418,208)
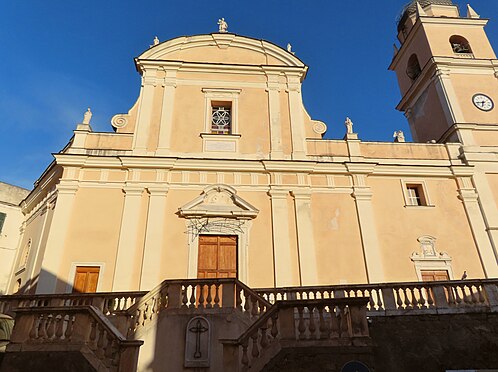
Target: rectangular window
(415,195)
(2,220)
(221,117)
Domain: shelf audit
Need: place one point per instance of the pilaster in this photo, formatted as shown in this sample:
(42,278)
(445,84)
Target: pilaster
(166,125)
(51,264)
(298,132)
(273,89)
(154,238)
(281,240)
(128,240)
(362,195)
(305,237)
(142,130)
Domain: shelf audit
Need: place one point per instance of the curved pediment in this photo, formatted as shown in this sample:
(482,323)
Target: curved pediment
(218,201)
(223,48)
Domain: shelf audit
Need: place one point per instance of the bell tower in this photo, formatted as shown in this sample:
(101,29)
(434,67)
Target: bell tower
(447,73)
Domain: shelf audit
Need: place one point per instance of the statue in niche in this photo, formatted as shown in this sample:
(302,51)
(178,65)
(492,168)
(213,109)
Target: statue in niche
(399,136)
(87,116)
(349,126)
(222,25)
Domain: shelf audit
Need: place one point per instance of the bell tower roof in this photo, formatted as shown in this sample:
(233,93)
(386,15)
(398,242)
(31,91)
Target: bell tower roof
(411,8)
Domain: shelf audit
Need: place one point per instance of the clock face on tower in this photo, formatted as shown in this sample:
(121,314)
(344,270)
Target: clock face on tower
(483,102)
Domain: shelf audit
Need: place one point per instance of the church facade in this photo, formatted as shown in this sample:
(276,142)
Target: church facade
(218,171)
(217,229)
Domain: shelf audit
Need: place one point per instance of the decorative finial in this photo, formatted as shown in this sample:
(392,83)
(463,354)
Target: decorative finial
(222,25)
(399,136)
(349,126)
(87,116)
(289,48)
(471,13)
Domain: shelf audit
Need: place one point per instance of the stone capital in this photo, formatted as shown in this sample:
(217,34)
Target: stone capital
(158,190)
(132,190)
(278,194)
(301,194)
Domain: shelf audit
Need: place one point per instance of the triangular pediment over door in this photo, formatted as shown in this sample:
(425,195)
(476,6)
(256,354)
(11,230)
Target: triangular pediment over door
(218,201)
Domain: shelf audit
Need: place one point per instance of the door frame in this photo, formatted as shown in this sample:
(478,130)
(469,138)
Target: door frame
(72,274)
(242,248)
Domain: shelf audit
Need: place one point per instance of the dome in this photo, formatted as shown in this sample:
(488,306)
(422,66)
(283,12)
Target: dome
(411,8)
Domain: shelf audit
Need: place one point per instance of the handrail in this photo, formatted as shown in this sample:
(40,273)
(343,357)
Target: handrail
(301,322)
(76,325)
(199,294)
(107,302)
(403,298)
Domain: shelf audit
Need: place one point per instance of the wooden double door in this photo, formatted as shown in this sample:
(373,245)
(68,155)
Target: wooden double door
(217,256)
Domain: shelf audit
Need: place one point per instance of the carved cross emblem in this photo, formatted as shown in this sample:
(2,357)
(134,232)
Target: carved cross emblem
(198,329)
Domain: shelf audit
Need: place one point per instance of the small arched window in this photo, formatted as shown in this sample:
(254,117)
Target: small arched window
(413,69)
(460,45)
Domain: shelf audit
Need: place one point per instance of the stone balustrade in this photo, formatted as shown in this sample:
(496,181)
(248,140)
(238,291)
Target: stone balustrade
(108,303)
(295,323)
(403,298)
(82,328)
(195,295)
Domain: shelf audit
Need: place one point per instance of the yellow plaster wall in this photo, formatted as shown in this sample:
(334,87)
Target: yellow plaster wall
(403,151)
(399,227)
(327,148)
(253,124)
(108,141)
(493,184)
(337,239)
(439,37)
(94,239)
(188,119)
(428,116)
(261,268)
(466,86)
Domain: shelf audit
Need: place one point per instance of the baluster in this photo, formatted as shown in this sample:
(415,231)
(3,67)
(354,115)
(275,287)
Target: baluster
(184,298)
(380,303)
(255,348)
(93,335)
(475,296)
(247,304)
(312,326)
(301,327)
(217,296)
(408,294)
(254,307)
(59,326)
(193,290)
(399,302)
(334,322)
(201,296)
(33,334)
(274,328)
(245,357)
(50,326)
(42,330)
(482,299)
(209,297)
(323,324)
(458,298)
(264,336)
(238,298)
(69,327)
(100,342)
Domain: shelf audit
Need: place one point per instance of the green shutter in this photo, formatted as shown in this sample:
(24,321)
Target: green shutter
(2,220)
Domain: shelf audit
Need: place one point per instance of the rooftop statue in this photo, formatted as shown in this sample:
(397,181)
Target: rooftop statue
(155,42)
(399,136)
(87,116)
(349,126)
(223,26)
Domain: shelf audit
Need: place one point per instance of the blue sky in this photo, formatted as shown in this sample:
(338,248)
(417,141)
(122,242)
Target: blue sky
(60,57)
